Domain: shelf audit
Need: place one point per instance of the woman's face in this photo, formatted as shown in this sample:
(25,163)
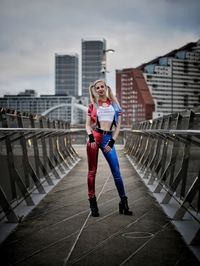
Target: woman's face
(100,88)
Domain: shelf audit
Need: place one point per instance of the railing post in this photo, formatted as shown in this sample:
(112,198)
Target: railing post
(28,170)
(8,210)
(15,178)
(47,159)
(38,163)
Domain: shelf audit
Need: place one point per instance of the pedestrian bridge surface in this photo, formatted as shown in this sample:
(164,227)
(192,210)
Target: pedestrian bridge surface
(60,230)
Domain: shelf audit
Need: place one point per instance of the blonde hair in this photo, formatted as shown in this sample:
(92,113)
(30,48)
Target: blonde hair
(94,96)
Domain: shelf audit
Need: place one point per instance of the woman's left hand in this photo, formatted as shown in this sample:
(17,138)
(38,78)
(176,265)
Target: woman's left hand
(110,145)
(107,148)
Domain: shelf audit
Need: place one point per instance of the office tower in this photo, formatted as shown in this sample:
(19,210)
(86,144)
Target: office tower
(134,96)
(174,79)
(93,63)
(66,75)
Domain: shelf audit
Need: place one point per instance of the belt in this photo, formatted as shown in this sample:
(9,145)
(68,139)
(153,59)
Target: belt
(103,132)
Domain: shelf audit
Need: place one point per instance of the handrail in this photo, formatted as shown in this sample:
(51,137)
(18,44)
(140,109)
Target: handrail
(34,151)
(166,153)
(167,132)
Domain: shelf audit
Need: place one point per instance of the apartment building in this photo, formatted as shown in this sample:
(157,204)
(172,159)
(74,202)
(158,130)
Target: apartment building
(174,79)
(134,96)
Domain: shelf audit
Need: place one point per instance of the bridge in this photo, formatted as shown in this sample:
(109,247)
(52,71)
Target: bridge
(72,105)
(45,216)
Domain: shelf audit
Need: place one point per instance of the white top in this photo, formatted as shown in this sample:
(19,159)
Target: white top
(105,113)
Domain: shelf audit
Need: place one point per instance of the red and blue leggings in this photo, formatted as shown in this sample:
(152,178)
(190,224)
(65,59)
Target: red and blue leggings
(112,159)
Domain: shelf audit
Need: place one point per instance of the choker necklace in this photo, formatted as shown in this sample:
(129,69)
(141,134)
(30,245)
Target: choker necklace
(103,102)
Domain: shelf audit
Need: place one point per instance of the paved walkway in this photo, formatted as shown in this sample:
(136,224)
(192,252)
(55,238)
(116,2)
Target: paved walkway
(59,231)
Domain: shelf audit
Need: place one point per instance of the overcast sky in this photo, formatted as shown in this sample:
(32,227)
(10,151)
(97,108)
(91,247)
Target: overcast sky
(32,31)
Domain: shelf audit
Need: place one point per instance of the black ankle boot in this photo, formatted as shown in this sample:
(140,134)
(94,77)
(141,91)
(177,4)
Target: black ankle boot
(93,207)
(123,206)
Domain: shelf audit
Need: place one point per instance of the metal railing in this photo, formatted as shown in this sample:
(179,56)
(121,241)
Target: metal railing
(166,152)
(34,151)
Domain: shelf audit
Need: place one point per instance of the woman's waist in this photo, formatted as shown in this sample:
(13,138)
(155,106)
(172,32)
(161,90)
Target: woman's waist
(103,131)
(105,125)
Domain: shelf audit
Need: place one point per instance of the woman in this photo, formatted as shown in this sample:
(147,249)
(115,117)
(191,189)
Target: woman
(104,112)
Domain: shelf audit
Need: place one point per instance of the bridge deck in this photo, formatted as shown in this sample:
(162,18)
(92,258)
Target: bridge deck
(50,234)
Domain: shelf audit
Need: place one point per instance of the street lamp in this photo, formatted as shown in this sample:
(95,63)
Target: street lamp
(103,62)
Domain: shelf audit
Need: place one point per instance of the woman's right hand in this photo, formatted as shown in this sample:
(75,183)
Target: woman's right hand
(92,145)
(91,141)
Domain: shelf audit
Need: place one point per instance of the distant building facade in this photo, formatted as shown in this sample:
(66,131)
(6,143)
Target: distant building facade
(66,75)
(174,79)
(38,105)
(134,96)
(93,63)
(28,93)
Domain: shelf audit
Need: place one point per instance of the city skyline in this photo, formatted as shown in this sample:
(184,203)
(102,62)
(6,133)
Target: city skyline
(32,32)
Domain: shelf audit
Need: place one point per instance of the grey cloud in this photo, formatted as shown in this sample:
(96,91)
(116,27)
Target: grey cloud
(32,31)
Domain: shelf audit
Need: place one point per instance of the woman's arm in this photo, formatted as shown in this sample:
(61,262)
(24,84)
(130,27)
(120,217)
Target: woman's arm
(91,142)
(111,142)
(117,129)
(88,125)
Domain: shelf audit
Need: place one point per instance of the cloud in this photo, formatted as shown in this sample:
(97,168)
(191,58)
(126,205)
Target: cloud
(33,31)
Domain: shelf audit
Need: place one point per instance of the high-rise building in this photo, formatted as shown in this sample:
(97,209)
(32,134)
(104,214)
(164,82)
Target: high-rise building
(66,75)
(134,96)
(93,62)
(174,79)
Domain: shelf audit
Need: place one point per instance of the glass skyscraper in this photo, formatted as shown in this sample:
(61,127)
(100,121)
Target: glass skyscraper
(66,75)
(93,62)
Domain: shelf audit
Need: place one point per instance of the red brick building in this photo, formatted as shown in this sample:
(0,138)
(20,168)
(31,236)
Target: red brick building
(134,96)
